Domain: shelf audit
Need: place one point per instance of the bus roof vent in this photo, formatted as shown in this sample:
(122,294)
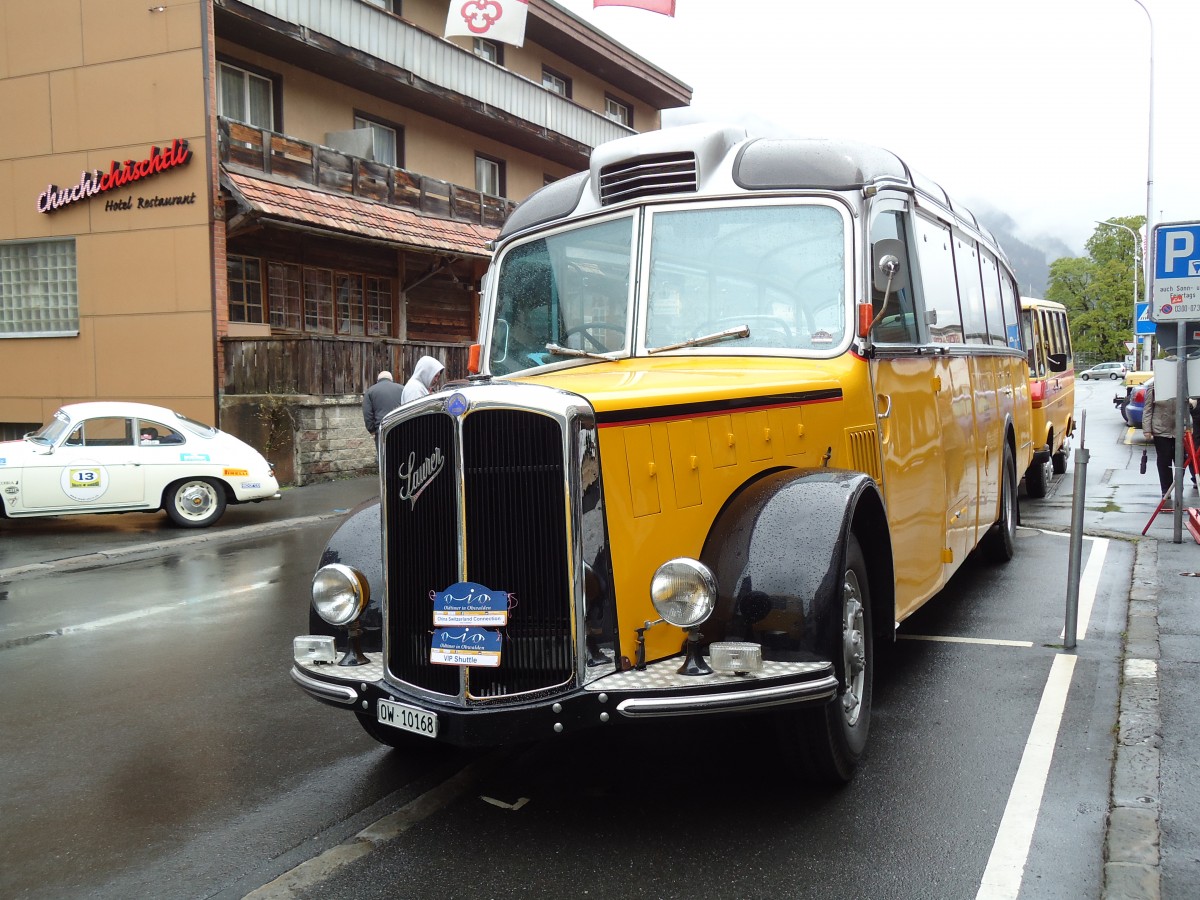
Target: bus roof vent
(648,176)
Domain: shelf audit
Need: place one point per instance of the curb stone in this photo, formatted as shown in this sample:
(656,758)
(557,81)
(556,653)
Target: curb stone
(1131,848)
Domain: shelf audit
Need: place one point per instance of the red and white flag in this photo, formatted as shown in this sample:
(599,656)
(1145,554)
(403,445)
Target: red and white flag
(666,7)
(496,20)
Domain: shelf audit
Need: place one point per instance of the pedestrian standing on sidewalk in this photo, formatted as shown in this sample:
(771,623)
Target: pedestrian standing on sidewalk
(1158,425)
(380,399)
(426,378)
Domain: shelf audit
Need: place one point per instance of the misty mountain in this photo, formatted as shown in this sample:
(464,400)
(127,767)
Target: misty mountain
(1031,262)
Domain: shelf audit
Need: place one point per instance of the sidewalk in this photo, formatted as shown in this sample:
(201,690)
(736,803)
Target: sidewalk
(1152,848)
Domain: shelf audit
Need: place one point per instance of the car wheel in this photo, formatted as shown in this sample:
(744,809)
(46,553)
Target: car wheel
(1085,376)
(1113,377)
(195,502)
(827,742)
(1037,478)
(999,544)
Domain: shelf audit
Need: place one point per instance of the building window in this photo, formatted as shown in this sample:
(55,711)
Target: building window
(323,301)
(386,140)
(39,292)
(489,50)
(283,291)
(246,97)
(489,175)
(350,318)
(245,289)
(392,6)
(618,111)
(379,306)
(556,82)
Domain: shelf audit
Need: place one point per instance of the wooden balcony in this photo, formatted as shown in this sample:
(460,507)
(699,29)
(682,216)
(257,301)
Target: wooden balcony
(332,170)
(324,365)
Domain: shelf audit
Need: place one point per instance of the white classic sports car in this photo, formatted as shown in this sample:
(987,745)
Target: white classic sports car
(118,457)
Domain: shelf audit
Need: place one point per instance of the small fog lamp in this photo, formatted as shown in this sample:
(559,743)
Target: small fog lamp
(313,648)
(684,592)
(735,657)
(339,594)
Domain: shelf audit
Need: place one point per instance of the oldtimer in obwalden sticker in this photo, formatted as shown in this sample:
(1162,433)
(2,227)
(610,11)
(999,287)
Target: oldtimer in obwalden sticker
(465,647)
(469,604)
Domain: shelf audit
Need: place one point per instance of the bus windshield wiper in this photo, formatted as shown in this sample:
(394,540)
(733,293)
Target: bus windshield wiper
(729,334)
(571,351)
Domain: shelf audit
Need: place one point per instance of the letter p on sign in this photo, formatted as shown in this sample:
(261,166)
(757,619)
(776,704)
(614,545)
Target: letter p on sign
(1180,245)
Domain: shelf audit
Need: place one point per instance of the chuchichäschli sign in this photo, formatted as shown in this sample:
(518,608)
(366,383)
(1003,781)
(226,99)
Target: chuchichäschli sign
(118,175)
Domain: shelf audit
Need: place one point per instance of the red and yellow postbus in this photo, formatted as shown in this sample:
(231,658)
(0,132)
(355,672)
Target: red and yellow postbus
(1046,335)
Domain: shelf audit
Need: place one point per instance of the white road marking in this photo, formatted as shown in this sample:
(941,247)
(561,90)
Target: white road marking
(1006,865)
(148,611)
(1089,582)
(993,642)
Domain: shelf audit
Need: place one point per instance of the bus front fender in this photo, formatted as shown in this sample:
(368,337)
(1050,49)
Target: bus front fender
(778,550)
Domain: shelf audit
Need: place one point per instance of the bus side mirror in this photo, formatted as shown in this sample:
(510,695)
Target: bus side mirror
(889,273)
(1057,362)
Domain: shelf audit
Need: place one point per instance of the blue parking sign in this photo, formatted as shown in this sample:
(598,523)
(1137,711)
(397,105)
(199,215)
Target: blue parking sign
(1176,294)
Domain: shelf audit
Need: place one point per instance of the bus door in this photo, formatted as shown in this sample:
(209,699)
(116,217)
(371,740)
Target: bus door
(903,375)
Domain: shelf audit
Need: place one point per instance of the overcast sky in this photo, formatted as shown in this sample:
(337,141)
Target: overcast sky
(1037,107)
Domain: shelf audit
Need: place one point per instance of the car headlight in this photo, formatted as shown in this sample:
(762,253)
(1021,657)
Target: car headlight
(684,592)
(339,594)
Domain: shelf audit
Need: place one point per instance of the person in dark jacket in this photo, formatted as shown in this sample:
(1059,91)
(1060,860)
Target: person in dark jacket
(380,399)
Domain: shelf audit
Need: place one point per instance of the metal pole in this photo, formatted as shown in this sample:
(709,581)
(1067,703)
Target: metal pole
(1181,405)
(1076,552)
(1149,149)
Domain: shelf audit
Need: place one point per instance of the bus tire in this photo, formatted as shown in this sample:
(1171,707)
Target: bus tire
(827,742)
(999,544)
(1037,477)
(1059,460)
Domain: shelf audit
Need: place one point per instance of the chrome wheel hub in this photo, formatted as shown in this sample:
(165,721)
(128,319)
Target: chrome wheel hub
(854,648)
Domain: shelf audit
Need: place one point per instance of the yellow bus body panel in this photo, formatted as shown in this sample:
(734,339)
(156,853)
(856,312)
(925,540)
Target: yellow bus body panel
(668,471)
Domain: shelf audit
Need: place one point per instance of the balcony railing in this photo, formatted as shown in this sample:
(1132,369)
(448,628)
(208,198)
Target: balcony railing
(322,365)
(333,170)
(369,30)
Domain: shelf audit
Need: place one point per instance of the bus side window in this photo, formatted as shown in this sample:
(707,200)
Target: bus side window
(938,281)
(895,320)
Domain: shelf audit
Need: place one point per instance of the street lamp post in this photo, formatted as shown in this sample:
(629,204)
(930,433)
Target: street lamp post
(1136,253)
(1149,150)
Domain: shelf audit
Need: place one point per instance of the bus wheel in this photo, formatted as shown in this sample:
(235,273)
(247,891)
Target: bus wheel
(827,742)
(1059,460)
(1037,478)
(1000,541)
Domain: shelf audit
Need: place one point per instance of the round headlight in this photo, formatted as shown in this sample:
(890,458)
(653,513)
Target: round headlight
(339,594)
(684,592)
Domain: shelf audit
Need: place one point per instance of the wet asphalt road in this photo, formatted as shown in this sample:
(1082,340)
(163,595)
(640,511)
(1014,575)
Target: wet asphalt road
(151,744)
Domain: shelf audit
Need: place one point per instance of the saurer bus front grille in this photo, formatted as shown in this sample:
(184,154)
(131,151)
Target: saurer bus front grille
(515,506)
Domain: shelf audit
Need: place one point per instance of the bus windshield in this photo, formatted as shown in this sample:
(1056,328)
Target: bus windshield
(779,269)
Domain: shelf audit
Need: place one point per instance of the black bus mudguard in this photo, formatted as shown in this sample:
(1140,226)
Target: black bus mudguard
(357,543)
(778,550)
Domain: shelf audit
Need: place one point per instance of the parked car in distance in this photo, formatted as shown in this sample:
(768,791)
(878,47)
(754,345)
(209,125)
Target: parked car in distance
(114,456)
(1113,370)
(1136,404)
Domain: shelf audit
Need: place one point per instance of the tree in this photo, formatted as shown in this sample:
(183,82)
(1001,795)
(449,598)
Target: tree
(1098,289)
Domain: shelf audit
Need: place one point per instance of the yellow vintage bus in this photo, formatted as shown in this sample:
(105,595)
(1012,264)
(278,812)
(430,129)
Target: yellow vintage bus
(1046,335)
(742,406)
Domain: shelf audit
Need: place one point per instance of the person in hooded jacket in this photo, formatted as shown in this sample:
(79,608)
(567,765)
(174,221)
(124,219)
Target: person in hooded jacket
(426,378)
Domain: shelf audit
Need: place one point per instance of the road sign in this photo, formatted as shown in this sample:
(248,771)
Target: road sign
(1145,325)
(1129,346)
(1176,293)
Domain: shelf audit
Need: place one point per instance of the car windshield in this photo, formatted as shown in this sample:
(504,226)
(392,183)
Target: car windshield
(49,433)
(725,278)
